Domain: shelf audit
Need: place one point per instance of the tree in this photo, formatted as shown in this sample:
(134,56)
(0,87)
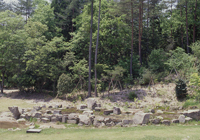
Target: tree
(24,7)
(90,51)
(96,51)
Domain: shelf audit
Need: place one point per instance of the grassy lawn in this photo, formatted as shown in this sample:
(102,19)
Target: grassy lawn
(75,133)
(7,102)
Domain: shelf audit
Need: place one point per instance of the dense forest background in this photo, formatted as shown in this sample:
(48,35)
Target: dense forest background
(87,45)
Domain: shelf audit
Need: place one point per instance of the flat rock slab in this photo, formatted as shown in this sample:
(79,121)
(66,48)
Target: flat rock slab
(33,130)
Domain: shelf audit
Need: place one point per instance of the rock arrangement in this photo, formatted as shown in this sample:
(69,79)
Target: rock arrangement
(54,114)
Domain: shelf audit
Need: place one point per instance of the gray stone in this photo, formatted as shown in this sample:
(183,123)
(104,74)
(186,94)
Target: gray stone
(141,118)
(33,130)
(21,121)
(88,112)
(73,116)
(98,105)
(57,112)
(97,109)
(91,103)
(159,111)
(152,111)
(84,119)
(54,119)
(194,114)
(37,108)
(50,106)
(72,121)
(107,120)
(107,112)
(82,106)
(37,115)
(127,122)
(23,115)
(58,106)
(110,124)
(181,119)
(15,112)
(187,119)
(175,121)
(116,110)
(155,121)
(49,112)
(98,120)
(166,122)
(64,119)
(47,116)
(45,120)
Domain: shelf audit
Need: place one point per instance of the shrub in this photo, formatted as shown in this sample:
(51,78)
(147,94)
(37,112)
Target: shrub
(65,84)
(132,95)
(181,89)
(189,103)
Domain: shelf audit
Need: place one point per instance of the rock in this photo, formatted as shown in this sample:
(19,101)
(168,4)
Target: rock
(31,127)
(166,122)
(187,119)
(84,119)
(47,116)
(194,114)
(119,124)
(37,115)
(98,120)
(49,112)
(91,103)
(98,105)
(45,120)
(57,112)
(88,112)
(141,118)
(54,119)
(72,121)
(155,121)
(23,115)
(73,116)
(116,110)
(181,119)
(107,112)
(50,106)
(152,110)
(107,120)
(21,121)
(64,118)
(82,106)
(15,112)
(110,124)
(37,108)
(175,121)
(159,112)
(43,106)
(58,106)
(159,117)
(97,109)
(127,122)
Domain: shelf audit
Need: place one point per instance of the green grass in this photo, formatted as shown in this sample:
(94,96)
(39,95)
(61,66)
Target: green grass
(7,102)
(190,102)
(76,133)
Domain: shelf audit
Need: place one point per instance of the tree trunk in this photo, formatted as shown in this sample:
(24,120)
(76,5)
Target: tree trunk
(140,31)
(187,27)
(72,30)
(97,50)
(54,87)
(90,52)
(195,18)
(181,31)
(2,83)
(171,24)
(131,62)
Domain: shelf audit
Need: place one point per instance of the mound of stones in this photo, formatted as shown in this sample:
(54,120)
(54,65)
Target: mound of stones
(87,117)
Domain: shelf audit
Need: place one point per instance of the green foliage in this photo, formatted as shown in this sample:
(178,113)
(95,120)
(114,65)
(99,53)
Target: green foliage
(65,84)
(181,89)
(132,95)
(157,60)
(190,103)
(195,85)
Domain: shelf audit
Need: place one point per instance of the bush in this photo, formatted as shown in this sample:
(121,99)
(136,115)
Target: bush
(181,89)
(132,95)
(65,84)
(189,103)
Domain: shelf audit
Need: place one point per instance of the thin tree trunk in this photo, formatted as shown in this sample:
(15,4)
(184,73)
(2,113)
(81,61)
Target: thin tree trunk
(2,83)
(54,87)
(195,18)
(72,30)
(187,27)
(131,63)
(171,16)
(97,50)
(181,30)
(90,52)
(140,34)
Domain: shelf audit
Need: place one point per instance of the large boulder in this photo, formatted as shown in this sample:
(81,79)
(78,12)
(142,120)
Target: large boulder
(15,112)
(98,121)
(91,103)
(116,110)
(84,119)
(194,114)
(127,122)
(141,118)
(107,112)
(181,119)
(73,116)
